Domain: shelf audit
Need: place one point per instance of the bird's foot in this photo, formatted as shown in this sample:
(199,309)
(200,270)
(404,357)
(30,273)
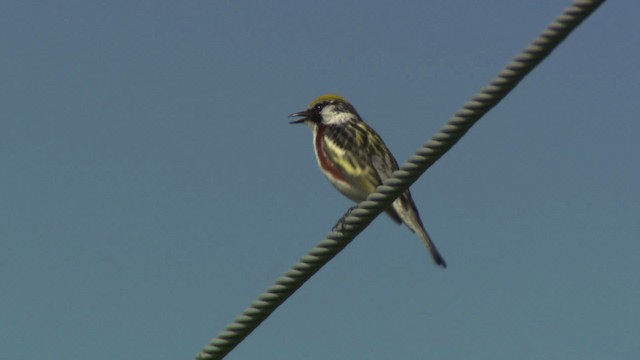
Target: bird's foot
(339,226)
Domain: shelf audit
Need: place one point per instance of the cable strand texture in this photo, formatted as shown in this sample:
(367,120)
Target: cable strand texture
(355,221)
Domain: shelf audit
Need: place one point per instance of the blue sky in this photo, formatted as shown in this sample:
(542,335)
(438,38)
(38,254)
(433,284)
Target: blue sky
(152,186)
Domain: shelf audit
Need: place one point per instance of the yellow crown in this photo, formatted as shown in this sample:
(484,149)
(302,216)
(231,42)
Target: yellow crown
(327,97)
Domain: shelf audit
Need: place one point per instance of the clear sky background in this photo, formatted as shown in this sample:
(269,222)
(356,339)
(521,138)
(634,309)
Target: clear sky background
(152,187)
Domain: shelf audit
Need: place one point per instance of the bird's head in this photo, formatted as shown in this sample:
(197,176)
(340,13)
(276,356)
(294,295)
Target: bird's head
(329,109)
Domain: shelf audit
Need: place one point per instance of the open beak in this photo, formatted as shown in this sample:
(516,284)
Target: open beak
(303,114)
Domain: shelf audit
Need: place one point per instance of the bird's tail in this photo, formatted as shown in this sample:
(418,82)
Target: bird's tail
(406,210)
(435,254)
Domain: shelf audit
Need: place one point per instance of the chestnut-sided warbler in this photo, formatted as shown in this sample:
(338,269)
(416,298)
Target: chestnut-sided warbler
(355,159)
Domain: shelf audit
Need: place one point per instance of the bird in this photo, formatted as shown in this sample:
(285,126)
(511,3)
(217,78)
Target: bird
(356,161)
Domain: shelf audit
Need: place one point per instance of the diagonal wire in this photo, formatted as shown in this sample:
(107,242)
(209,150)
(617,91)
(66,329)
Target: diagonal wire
(358,219)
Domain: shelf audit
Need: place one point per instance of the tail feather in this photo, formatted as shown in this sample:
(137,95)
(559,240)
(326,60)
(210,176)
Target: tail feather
(404,209)
(435,254)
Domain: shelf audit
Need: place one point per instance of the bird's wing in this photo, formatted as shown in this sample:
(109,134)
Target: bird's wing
(384,164)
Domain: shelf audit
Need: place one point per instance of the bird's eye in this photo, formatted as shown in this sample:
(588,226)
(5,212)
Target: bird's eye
(319,107)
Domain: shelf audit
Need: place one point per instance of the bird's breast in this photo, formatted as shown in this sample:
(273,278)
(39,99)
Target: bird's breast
(324,161)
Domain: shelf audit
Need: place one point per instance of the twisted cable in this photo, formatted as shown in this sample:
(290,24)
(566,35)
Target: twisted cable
(359,218)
